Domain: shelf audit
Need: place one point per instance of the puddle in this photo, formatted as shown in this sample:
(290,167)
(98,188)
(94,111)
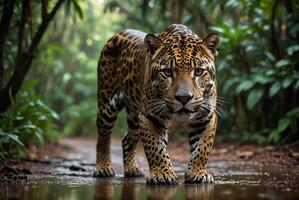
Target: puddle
(71,178)
(121,188)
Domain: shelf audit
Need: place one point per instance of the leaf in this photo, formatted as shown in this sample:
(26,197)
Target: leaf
(270,56)
(217,29)
(244,86)
(2,133)
(229,83)
(67,7)
(292,49)
(282,63)
(29,84)
(55,47)
(270,72)
(15,138)
(293,113)
(28,126)
(254,97)
(274,136)
(36,131)
(48,111)
(260,139)
(283,124)
(3,137)
(39,136)
(232,4)
(274,89)
(78,9)
(262,79)
(286,83)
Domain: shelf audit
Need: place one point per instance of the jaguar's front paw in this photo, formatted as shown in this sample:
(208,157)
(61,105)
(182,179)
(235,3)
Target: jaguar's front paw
(104,172)
(162,178)
(133,172)
(198,177)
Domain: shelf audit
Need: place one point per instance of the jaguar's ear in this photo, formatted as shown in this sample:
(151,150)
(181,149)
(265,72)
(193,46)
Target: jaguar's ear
(212,43)
(152,43)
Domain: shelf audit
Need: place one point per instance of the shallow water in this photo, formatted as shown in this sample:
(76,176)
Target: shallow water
(71,179)
(130,188)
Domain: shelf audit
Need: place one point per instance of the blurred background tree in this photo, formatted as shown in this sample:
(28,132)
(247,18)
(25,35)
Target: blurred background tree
(257,68)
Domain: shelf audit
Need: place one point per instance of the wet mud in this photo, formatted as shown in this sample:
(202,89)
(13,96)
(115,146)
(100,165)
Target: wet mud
(237,176)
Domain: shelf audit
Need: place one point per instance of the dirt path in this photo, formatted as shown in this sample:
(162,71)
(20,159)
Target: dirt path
(249,169)
(231,163)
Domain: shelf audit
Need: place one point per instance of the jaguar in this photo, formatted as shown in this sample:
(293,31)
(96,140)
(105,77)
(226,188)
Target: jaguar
(164,81)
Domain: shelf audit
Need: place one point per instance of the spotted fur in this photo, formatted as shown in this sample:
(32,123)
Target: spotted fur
(164,81)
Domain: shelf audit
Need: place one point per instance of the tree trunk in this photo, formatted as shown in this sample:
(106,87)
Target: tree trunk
(8,93)
(275,46)
(8,6)
(177,10)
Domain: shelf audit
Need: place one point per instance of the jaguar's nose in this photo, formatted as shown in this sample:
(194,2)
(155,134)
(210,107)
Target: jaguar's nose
(183,99)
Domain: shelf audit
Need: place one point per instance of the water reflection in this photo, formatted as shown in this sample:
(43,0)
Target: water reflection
(135,189)
(104,189)
(199,191)
(131,190)
(165,192)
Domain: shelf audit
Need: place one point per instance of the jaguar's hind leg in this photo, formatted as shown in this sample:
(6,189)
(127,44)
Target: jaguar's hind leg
(105,120)
(129,143)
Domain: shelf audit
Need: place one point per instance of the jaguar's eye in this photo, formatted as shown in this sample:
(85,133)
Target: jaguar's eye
(198,71)
(167,72)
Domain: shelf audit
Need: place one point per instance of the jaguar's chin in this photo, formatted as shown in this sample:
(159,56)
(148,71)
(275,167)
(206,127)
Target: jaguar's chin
(183,114)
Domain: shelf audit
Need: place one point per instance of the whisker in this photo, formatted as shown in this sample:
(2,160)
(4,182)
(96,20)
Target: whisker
(208,106)
(156,106)
(160,110)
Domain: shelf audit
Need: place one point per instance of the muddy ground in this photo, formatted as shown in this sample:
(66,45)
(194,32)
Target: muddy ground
(239,169)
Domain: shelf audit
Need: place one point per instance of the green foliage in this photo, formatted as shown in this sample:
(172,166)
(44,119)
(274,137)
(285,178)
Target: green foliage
(252,70)
(68,65)
(257,67)
(73,5)
(253,98)
(258,79)
(284,123)
(28,120)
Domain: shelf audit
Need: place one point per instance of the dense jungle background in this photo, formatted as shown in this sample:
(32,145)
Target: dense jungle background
(49,52)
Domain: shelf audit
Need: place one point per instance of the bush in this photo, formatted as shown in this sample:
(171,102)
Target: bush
(27,120)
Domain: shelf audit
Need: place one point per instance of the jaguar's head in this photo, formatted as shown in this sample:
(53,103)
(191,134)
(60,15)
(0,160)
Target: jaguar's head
(181,72)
